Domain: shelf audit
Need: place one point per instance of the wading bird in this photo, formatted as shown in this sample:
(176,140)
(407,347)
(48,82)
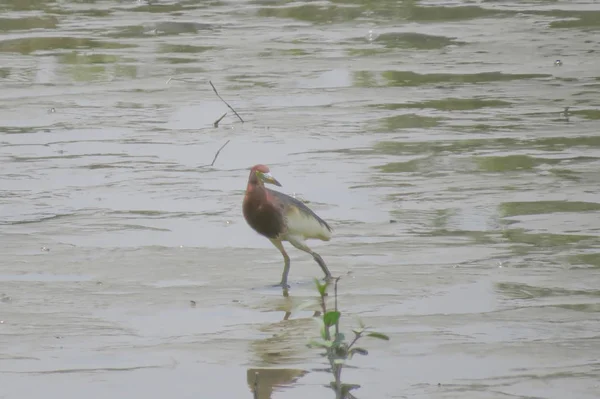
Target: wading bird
(280,217)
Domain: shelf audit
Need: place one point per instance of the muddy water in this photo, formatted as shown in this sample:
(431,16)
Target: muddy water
(431,135)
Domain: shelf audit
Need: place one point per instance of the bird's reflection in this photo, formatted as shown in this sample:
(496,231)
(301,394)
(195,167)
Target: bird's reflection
(262,381)
(289,304)
(287,314)
(285,344)
(285,341)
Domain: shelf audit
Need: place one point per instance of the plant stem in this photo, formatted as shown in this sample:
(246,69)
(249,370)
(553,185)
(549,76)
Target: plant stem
(337,324)
(338,381)
(354,341)
(337,367)
(324,308)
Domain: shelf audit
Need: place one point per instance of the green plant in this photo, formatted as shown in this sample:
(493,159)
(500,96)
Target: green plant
(337,349)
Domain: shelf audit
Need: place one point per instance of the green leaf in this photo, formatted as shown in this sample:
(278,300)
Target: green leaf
(321,287)
(339,361)
(340,337)
(358,350)
(358,332)
(331,318)
(378,336)
(320,344)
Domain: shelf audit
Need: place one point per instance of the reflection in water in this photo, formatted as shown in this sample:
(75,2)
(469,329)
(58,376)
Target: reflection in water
(525,291)
(263,381)
(442,117)
(286,344)
(509,209)
(288,337)
(280,347)
(447,104)
(415,40)
(10,24)
(409,78)
(32,44)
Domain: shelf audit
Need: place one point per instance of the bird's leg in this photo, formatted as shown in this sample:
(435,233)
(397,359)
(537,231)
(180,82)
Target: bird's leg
(286,266)
(301,245)
(321,263)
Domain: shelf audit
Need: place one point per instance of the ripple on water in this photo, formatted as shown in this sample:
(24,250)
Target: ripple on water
(455,160)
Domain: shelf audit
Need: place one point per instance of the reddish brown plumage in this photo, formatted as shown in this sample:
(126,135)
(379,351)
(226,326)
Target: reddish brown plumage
(280,217)
(260,211)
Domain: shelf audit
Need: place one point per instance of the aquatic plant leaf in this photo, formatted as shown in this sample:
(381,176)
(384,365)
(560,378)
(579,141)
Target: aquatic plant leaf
(331,318)
(360,351)
(378,336)
(358,332)
(321,287)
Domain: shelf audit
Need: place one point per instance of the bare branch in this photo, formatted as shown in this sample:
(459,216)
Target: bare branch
(221,98)
(337,323)
(218,152)
(216,124)
(179,80)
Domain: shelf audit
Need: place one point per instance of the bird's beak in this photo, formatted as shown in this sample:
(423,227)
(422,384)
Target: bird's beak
(268,178)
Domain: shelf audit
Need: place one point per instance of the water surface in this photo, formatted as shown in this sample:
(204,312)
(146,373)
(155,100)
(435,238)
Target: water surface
(431,135)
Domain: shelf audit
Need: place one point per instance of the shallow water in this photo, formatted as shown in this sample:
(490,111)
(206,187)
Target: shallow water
(431,135)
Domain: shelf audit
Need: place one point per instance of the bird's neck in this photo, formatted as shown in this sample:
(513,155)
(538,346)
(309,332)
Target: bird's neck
(256,189)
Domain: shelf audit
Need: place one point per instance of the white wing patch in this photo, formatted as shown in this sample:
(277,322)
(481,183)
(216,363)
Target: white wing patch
(300,224)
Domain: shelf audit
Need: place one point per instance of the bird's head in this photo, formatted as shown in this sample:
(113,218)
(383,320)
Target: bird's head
(263,174)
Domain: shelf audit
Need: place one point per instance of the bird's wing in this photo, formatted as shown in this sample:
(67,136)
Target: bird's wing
(288,201)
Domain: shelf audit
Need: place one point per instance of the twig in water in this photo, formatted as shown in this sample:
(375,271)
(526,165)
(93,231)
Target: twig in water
(216,124)
(217,154)
(179,80)
(230,107)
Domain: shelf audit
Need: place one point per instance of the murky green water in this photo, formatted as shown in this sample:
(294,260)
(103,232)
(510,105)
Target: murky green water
(446,118)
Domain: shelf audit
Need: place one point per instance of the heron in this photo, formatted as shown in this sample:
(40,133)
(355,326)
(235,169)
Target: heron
(279,218)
